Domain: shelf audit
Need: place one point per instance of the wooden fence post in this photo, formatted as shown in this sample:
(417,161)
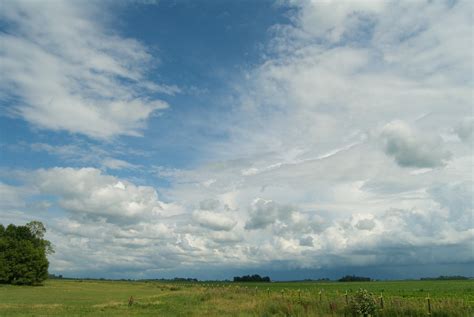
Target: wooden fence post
(428,301)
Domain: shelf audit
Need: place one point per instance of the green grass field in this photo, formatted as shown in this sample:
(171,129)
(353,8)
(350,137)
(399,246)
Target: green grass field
(110,298)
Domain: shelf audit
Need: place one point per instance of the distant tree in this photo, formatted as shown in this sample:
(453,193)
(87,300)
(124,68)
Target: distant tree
(23,252)
(54,276)
(353,278)
(445,278)
(185,279)
(251,278)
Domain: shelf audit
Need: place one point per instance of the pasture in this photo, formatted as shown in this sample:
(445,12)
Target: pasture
(111,298)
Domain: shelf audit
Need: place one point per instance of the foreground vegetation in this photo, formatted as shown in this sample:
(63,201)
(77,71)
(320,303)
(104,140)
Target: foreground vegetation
(112,298)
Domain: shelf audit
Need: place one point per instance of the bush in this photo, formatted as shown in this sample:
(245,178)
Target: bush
(363,304)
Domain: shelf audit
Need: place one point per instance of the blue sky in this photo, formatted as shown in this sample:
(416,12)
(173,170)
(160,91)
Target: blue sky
(300,139)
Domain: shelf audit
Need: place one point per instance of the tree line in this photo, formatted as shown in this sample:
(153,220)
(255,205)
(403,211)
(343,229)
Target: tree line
(251,278)
(353,278)
(445,278)
(23,254)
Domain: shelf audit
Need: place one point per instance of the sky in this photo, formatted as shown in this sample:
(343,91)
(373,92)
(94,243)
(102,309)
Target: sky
(208,139)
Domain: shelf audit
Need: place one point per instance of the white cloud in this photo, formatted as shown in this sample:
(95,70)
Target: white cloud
(12,196)
(226,237)
(114,164)
(63,70)
(214,220)
(87,191)
(209,204)
(265,212)
(333,21)
(457,197)
(315,95)
(411,148)
(365,224)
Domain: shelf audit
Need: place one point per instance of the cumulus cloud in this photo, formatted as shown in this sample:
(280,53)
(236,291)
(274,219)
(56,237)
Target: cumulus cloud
(209,204)
(365,224)
(306,241)
(151,240)
(63,70)
(265,212)
(214,220)
(110,247)
(87,191)
(411,148)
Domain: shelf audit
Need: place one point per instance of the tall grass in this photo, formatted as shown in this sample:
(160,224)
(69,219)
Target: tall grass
(95,298)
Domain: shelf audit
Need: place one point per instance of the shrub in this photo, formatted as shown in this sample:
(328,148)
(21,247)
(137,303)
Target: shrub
(363,304)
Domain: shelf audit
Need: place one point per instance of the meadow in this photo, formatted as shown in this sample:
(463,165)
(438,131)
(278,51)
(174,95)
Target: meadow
(111,298)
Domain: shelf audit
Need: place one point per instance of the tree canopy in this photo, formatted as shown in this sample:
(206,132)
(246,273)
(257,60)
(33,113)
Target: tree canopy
(23,252)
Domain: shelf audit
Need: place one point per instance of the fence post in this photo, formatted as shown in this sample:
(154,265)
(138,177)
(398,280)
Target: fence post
(320,295)
(347,299)
(428,301)
(381,301)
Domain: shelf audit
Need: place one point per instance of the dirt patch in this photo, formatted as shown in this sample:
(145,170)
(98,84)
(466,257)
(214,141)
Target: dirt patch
(39,306)
(46,305)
